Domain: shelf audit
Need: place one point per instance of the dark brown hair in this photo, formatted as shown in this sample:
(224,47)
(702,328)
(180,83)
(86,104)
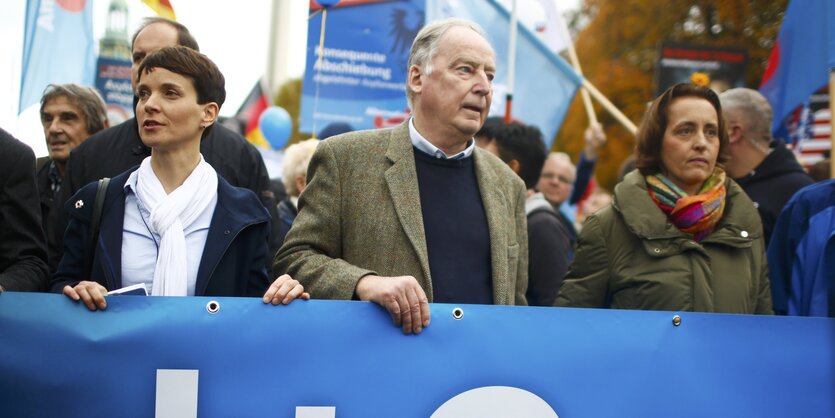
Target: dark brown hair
(651,133)
(207,79)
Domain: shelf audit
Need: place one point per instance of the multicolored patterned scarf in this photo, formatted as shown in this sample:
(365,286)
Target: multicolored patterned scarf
(695,215)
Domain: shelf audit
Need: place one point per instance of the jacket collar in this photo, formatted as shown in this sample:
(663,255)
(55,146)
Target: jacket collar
(738,227)
(643,217)
(536,202)
(421,143)
(232,214)
(778,162)
(497,207)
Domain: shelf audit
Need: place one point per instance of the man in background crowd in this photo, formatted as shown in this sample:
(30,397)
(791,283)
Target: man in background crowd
(22,247)
(563,185)
(294,177)
(69,114)
(522,149)
(767,171)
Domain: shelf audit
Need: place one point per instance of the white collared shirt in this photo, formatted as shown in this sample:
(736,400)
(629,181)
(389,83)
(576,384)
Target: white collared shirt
(419,142)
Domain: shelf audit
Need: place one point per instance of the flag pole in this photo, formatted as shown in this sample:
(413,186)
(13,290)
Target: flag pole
(831,123)
(575,62)
(321,50)
(276,54)
(617,114)
(511,65)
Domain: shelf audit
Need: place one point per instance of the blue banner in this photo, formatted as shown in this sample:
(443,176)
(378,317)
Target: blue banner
(345,359)
(57,47)
(544,84)
(361,79)
(113,82)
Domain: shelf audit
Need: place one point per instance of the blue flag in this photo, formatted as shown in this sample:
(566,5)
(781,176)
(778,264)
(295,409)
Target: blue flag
(57,47)
(544,83)
(361,77)
(801,58)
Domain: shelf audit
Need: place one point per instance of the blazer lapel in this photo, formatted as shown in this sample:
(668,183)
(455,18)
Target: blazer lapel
(495,203)
(402,182)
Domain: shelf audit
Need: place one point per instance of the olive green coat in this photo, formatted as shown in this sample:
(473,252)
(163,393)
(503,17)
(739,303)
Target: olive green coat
(360,214)
(629,256)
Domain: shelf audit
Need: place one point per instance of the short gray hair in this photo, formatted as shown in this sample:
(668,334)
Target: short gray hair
(296,159)
(754,109)
(564,159)
(425,46)
(87,99)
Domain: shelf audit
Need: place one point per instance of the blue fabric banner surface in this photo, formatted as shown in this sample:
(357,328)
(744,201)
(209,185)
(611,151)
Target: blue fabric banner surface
(57,47)
(251,359)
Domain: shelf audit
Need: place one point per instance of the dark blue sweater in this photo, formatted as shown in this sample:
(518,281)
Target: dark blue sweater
(457,234)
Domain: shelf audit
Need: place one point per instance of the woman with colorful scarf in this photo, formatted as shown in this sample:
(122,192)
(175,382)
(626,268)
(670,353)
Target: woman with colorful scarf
(679,235)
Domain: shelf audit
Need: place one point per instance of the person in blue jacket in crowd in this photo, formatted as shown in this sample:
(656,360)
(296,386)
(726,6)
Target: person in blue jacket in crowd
(801,254)
(172,224)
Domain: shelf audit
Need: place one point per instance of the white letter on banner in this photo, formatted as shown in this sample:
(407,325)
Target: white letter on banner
(315,412)
(495,402)
(176,393)
(46,14)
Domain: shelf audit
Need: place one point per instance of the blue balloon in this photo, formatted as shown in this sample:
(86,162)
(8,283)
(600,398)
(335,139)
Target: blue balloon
(276,126)
(327,3)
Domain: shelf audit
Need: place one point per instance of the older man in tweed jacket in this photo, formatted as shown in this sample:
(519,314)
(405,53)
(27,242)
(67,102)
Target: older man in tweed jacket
(416,214)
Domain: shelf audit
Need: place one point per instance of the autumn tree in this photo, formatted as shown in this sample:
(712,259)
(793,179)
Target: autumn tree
(618,51)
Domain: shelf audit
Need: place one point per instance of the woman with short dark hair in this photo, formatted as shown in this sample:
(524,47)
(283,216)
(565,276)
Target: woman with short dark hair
(679,234)
(172,225)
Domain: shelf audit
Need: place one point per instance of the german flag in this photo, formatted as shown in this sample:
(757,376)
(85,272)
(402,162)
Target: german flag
(162,7)
(249,112)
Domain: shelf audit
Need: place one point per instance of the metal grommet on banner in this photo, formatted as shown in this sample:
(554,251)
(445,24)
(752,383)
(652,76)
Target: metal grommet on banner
(676,320)
(213,307)
(457,313)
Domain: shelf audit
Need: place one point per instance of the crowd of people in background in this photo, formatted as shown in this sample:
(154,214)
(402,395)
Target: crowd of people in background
(711,214)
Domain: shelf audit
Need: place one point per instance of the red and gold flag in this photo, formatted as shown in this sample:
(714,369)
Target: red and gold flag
(162,7)
(249,113)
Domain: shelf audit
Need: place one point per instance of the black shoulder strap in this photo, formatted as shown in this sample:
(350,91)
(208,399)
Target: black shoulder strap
(101,191)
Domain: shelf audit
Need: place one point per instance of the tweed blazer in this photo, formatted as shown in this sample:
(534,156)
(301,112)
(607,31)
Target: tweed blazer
(360,214)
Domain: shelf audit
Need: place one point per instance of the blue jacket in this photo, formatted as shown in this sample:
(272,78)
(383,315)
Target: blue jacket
(801,254)
(233,261)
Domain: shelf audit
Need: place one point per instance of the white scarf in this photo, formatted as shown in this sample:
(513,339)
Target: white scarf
(171,214)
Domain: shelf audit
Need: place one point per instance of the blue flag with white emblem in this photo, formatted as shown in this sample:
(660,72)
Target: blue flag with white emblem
(57,47)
